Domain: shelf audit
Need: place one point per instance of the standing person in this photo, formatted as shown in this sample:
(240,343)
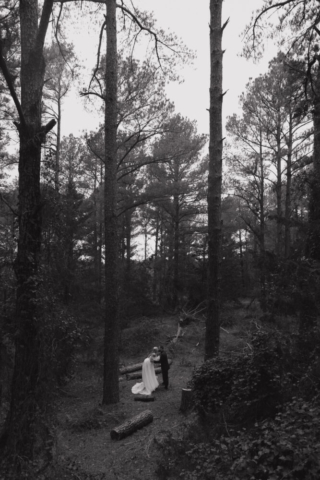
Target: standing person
(149,380)
(164,366)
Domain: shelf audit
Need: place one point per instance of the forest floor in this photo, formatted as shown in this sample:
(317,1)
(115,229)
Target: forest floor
(83,444)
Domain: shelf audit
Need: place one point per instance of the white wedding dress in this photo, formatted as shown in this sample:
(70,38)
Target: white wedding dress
(149,380)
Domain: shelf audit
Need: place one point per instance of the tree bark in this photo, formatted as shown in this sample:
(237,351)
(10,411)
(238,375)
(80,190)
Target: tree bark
(262,227)
(287,237)
(212,339)
(279,187)
(111,337)
(313,240)
(27,402)
(176,252)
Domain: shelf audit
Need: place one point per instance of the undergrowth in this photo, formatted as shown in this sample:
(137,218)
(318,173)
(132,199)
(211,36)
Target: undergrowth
(258,414)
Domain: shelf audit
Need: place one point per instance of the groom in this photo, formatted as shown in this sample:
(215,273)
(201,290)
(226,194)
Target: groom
(164,367)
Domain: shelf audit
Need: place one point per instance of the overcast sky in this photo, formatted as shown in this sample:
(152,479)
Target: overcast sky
(189,19)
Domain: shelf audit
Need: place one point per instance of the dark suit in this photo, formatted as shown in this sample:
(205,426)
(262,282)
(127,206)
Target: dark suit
(164,368)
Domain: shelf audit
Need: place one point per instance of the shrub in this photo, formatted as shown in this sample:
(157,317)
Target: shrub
(286,447)
(249,385)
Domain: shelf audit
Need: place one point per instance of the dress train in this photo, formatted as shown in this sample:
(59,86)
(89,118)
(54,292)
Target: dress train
(149,380)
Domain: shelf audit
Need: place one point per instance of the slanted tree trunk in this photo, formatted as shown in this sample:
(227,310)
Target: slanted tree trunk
(111,337)
(212,339)
(27,402)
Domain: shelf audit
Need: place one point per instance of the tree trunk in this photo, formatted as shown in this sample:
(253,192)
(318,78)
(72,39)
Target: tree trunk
(287,237)
(128,233)
(313,240)
(262,229)
(111,337)
(212,339)
(57,165)
(176,245)
(27,392)
(279,189)
(131,426)
(155,261)
(100,238)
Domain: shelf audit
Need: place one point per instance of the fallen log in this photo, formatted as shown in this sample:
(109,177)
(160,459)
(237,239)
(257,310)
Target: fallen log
(131,368)
(135,375)
(143,398)
(132,425)
(186,400)
(134,368)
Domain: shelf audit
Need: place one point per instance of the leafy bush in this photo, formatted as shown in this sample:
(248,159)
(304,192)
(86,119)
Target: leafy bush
(266,412)
(286,447)
(249,385)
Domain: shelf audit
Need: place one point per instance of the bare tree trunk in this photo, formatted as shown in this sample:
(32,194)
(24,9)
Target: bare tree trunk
(279,190)
(100,237)
(262,228)
(287,238)
(128,233)
(212,339)
(111,337)
(57,165)
(155,261)
(176,252)
(313,240)
(27,402)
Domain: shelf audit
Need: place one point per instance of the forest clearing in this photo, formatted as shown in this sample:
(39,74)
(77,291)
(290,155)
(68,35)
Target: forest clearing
(83,443)
(145,231)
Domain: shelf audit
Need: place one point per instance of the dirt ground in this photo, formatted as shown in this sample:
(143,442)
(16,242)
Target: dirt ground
(83,442)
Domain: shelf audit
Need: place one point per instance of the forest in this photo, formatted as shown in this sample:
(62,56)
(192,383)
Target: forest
(141,231)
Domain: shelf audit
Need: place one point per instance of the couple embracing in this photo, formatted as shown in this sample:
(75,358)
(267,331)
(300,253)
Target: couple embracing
(149,380)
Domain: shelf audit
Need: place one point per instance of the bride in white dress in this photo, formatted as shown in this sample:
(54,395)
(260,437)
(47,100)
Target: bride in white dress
(149,380)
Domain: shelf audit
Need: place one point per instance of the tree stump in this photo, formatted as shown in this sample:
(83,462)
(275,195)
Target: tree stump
(143,398)
(186,400)
(132,425)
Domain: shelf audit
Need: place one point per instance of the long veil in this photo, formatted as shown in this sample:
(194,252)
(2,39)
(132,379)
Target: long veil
(149,380)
